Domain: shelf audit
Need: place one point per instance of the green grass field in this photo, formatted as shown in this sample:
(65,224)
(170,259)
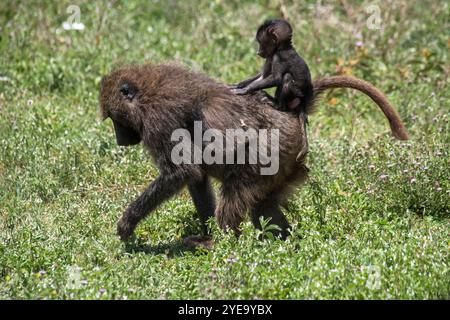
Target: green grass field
(373,221)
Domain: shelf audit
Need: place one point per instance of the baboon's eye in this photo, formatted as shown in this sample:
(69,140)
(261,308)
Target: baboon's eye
(127,91)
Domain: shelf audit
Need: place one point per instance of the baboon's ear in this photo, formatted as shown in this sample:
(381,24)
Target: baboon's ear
(128,90)
(281,32)
(272,33)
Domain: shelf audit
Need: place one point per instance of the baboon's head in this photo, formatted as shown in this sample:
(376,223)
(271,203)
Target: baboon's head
(120,101)
(137,97)
(273,35)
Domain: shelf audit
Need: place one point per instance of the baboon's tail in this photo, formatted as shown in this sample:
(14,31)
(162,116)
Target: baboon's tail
(322,84)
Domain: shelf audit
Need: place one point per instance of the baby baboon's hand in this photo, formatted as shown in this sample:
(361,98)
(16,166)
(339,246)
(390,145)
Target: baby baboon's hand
(239,91)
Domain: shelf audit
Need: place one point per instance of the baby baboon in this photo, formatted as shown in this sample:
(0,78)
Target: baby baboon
(284,69)
(148,102)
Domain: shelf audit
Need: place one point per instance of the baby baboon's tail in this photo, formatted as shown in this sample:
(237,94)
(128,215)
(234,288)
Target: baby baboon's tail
(322,84)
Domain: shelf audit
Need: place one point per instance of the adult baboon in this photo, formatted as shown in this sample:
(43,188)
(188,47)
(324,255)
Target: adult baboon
(149,102)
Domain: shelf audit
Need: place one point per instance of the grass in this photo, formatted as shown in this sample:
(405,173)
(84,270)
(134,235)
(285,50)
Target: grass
(371,223)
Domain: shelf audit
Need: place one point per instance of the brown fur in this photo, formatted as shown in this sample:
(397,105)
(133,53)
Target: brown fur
(168,97)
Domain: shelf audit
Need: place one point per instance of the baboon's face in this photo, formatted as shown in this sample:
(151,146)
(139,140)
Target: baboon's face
(267,45)
(119,102)
(126,136)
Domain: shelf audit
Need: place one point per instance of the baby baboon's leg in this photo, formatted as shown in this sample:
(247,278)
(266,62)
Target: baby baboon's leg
(270,208)
(204,200)
(267,98)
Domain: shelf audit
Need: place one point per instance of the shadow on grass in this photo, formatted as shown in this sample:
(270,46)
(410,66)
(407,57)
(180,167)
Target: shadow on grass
(171,249)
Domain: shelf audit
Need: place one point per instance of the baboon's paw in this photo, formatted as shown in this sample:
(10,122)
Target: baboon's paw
(124,229)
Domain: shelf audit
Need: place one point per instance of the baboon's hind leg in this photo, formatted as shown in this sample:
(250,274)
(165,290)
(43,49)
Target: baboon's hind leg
(233,205)
(203,197)
(270,208)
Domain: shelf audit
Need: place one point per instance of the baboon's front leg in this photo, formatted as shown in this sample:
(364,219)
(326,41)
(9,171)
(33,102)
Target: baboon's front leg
(165,186)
